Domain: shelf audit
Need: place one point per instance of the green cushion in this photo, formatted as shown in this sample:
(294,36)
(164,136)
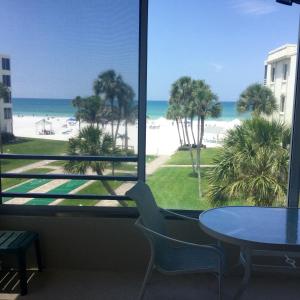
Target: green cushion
(12,241)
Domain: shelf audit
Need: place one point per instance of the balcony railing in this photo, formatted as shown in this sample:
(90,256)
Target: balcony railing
(66,176)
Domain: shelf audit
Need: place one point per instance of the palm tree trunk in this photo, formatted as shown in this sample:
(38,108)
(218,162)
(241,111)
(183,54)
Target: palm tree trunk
(112,118)
(192,130)
(117,131)
(126,136)
(183,134)
(189,144)
(178,129)
(112,132)
(202,130)
(113,168)
(198,157)
(108,188)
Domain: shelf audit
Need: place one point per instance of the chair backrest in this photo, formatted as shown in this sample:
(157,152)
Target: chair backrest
(147,207)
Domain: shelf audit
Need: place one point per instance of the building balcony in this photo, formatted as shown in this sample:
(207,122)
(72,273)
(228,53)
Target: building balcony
(96,257)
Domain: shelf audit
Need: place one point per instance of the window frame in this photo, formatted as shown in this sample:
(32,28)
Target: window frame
(273,71)
(282,103)
(266,72)
(7,113)
(8,99)
(294,165)
(38,210)
(285,71)
(5,63)
(7,82)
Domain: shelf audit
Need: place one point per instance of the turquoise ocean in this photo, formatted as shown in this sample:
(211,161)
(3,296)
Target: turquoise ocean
(64,108)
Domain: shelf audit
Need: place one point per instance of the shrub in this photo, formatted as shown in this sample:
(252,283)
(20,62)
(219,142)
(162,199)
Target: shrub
(7,137)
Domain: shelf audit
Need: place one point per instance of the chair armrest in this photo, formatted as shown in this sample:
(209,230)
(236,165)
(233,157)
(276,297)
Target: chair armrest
(215,249)
(166,211)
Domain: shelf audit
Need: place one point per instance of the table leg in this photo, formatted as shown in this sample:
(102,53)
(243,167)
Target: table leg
(245,256)
(38,254)
(22,272)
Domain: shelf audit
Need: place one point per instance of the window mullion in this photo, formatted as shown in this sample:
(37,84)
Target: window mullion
(294,168)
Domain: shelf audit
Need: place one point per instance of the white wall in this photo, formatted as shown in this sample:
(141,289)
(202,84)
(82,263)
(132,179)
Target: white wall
(6,125)
(278,58)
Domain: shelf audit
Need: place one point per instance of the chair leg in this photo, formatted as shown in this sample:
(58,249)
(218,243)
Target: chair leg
(22,272)
(220,285)
(38,254)
(146,279)
(220,277)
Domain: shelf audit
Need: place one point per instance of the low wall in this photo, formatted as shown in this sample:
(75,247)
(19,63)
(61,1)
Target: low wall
(79,242)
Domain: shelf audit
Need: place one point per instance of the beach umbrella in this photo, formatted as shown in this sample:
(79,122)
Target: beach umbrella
(43,126)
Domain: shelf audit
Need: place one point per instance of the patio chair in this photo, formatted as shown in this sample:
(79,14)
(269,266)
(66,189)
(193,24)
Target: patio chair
(171,256)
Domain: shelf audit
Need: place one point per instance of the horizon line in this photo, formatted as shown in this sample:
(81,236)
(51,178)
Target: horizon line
(47,98)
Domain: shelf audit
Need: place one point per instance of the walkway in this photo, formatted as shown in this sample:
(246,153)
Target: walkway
(151,167)
(64,188)
(38,164)
(44,186)
(67,186)
(187,166)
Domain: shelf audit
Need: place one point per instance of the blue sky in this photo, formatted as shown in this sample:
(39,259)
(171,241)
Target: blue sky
(59,47)
(224,42)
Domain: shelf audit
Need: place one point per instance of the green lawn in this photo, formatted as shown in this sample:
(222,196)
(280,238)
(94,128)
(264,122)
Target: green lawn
(95,188)
(121,166)
(150,158)
(57,163)
(30,146)
(183,157)
(9,182)
(176,188)
(125,166)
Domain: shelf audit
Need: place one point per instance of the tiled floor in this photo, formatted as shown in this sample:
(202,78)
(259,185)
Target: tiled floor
(90,285)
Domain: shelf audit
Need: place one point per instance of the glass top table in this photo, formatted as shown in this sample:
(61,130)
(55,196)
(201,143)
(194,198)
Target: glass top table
(254,227)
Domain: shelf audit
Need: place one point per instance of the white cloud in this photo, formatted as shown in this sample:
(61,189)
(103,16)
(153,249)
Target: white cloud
(254,7)
(217,67)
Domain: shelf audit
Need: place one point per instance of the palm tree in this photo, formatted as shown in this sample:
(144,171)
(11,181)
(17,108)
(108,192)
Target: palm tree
(4,92)
(125,97)
(90,141)
(253,165)
(130,116)
(258,99)
(205,104)
(78,104)
(91,110)
(192,116)
(108,84)
(181,94)
(173,113)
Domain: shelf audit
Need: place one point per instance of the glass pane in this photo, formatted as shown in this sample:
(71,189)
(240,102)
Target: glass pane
(74,90)
(220,102)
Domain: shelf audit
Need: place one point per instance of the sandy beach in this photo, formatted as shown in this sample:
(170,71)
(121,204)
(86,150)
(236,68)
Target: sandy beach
(162,136)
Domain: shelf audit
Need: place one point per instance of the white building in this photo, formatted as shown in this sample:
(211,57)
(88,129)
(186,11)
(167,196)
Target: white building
(280,73)
(5,106)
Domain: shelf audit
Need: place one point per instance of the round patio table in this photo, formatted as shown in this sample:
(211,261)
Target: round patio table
(253,228)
